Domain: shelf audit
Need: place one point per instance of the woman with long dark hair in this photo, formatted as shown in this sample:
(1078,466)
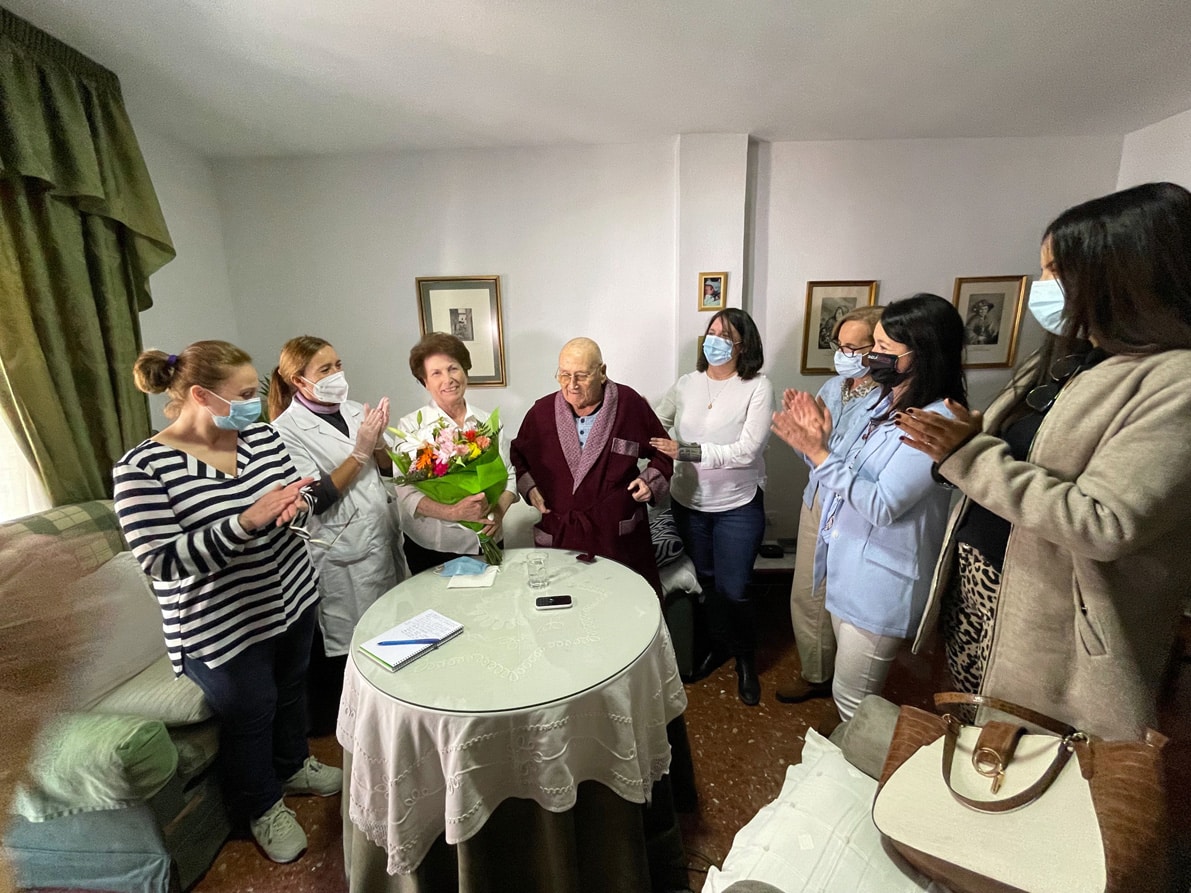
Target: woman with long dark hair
(1066,562)
(883,513)
(719,417)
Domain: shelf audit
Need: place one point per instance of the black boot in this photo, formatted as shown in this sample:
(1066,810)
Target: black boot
(743,618)
(748,686)
(718,625)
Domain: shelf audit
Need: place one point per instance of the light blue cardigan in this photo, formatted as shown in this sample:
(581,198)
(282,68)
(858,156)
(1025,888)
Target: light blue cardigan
(847,421)
(889,517)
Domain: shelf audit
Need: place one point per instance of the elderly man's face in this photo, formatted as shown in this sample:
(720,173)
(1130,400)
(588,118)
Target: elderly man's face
(582,381)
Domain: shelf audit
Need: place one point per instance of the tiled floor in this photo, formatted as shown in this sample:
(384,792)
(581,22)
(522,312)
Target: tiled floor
(740,756)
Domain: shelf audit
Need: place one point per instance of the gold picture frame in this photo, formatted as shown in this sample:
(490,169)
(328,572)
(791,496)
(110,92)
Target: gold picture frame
(826,301)
(469,308)
(991,307)
(713,291)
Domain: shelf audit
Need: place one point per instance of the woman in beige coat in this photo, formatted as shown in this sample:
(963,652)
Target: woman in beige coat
(1065,564)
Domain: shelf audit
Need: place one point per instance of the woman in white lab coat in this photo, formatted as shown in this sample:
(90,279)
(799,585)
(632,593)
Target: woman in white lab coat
(339,442)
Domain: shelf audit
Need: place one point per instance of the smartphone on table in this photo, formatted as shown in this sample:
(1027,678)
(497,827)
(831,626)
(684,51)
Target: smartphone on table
(551,602)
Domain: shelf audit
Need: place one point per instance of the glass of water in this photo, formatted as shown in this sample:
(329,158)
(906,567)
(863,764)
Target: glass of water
(535,570)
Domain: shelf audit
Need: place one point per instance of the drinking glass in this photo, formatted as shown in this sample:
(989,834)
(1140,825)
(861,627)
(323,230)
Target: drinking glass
(535,570)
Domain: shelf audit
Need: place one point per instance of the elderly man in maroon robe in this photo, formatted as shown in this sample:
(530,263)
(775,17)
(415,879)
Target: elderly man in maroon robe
(577,458)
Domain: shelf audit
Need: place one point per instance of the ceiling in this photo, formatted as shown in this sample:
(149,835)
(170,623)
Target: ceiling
(287,77)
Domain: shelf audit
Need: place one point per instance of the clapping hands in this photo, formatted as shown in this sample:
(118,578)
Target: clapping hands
(805,424)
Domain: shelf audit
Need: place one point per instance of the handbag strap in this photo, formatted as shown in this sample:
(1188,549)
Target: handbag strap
(1033,792)
(942,699)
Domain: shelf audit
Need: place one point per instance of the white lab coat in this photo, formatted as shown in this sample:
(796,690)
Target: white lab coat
(360,567)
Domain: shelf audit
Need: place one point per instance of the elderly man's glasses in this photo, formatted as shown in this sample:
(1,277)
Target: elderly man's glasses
(302,532)
(579,378)
(848,350)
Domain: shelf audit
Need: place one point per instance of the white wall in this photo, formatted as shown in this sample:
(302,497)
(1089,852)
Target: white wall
(711,188)
(583,239)
(191,296)
(914,214)
(605,241)
(1161,151)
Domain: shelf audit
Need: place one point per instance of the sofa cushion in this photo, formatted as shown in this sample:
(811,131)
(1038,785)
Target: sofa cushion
(90,528)
(667,545)
(866,737)
(86,761)
(131,637)
(156,693)
(198,745)
(818,834)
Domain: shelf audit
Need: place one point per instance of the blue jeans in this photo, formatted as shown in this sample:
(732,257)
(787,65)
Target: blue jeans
(723,545)
(260,698)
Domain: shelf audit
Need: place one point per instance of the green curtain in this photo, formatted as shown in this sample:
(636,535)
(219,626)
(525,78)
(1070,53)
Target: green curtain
(80,234)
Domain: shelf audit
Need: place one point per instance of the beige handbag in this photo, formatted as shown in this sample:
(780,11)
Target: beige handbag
(999,808)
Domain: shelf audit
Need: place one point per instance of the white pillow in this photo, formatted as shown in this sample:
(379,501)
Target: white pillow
(818,835)
(130,638)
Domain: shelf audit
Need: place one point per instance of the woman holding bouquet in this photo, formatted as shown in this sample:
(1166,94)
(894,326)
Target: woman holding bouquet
(440,363)
(338,442)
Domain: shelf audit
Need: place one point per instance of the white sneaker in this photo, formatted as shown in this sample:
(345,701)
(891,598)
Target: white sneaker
(315,778)
(279,834)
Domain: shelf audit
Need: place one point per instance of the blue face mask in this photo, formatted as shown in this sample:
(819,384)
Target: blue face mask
(241,414)
(464,565)
(850,367)
(1047,303)
(717,350)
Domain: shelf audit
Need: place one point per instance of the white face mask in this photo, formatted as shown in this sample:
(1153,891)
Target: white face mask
(332,389)
(1046,303)
(850,367)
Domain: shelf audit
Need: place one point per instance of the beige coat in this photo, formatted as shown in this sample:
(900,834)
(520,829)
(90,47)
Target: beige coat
(1098,559)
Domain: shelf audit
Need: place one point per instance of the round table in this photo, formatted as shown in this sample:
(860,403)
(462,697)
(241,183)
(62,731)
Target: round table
(523,703)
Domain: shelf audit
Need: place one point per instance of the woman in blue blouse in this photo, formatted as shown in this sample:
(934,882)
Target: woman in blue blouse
(883,513)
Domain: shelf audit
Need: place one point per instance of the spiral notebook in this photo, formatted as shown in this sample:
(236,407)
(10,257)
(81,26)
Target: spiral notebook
(410,639)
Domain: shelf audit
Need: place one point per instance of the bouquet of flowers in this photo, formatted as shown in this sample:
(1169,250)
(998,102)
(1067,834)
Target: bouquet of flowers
(448,463)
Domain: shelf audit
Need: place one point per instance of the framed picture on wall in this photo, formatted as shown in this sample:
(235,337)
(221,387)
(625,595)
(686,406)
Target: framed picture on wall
(991,308)
(713,291)
(467,307)
(826,302)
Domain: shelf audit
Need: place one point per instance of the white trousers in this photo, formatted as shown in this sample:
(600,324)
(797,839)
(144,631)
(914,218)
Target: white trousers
(862,663)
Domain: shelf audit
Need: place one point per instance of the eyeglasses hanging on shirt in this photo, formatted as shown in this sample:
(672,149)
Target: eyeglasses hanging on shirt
(1062,370)
(302,532)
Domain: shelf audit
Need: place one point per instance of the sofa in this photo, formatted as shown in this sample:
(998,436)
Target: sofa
(121,792)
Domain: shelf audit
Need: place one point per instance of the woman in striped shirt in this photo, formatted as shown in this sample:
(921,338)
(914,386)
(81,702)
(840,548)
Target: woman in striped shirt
(205,506)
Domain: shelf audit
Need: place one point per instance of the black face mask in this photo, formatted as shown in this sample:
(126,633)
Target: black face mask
(883,369)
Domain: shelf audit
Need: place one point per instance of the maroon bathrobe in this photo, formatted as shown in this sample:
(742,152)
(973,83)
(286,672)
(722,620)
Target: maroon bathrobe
(586,490)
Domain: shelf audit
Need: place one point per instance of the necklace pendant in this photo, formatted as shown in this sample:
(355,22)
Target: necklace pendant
(709,406)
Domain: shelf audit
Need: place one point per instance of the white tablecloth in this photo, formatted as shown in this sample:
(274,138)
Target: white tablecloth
(419,771)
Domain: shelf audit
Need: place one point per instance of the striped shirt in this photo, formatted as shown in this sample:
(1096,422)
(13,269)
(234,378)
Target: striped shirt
(220,587)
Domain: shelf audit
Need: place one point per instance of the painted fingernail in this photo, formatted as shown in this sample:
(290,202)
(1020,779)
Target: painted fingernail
(910,411)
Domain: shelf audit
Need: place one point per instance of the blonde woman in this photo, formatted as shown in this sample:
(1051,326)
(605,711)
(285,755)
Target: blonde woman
(205,505)
(850,397)
(339,443)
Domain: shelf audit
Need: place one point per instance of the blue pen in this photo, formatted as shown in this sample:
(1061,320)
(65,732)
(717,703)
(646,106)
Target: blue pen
(411,642)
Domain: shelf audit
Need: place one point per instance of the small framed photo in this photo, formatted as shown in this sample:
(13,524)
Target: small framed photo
(991,308)
(713,291)
(826,302)
(467,307)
